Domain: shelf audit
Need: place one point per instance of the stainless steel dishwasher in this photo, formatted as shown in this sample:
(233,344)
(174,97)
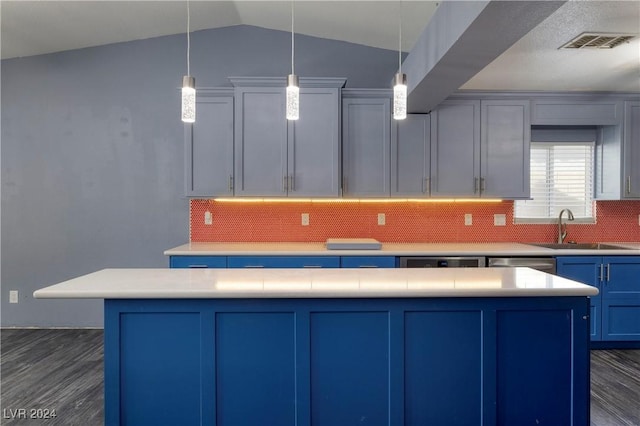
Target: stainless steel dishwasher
(544,264)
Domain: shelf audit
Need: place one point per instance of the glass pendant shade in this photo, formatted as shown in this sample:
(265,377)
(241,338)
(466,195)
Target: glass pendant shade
(293,97)
(188,99)
(400,97)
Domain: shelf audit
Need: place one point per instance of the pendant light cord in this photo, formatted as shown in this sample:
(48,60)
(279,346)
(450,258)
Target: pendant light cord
(292,38)
(188,39)
(400,39)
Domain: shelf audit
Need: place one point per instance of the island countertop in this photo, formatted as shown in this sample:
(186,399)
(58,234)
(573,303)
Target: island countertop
(314,283)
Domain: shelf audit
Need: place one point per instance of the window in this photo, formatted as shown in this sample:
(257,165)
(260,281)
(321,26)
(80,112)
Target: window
(561,178)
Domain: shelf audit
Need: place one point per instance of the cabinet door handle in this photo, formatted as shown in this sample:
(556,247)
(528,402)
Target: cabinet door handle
(482,186)
(628,185)
(367,266)
(230,183)
(601,276)
(292,182)
(198,266)
(312,266)
(608,271)
(426,186)
(253,266)
(284,184)
(476,187)
(344,184)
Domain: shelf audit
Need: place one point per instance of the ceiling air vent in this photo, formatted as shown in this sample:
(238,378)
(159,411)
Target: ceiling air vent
(597,41)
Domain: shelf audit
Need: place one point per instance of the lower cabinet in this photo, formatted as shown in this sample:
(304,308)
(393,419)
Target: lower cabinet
(283,262)
(368,261)
(615,312)
(198,261)
(333,361)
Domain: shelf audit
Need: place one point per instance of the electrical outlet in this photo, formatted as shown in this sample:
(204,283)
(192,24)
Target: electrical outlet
(468,219)
(305,219)
(382,220)
(639,220)
(500,219)
(13,296)
(208,218)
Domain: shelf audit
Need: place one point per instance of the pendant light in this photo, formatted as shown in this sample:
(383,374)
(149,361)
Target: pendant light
(188,82)
(400,81)
(293,87)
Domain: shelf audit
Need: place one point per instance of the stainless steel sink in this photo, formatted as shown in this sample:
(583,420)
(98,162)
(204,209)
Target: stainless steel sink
(578,246)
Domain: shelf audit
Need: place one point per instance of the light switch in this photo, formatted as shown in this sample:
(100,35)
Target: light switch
(499,219)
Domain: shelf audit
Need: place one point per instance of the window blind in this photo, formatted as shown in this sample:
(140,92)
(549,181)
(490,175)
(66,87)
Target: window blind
(561,178)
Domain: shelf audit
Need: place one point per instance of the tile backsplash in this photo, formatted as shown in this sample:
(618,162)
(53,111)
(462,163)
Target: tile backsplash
(268,221)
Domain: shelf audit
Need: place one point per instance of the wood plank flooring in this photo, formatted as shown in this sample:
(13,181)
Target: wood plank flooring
(62,370)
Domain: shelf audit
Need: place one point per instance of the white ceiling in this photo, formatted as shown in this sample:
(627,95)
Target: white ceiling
(532,63)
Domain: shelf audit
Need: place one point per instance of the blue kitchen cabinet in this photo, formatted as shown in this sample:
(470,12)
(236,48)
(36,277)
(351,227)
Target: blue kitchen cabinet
(368,261)
(276,157)
(455,149)
(505,140)
(328,361)
(260,139)
(631,149)
(615,312)
(585,269)
(209,145)
(411,157)
(283,262)
(366,142)
(198,261)
(577,110)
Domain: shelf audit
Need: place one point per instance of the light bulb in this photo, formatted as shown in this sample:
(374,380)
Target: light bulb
(400,97)
(293,97)
(188,99)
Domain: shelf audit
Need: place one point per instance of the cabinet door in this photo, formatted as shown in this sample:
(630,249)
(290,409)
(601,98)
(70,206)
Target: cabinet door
(621,277)
(368,262)
(260,142)
(621,319)
(411,156)
(198,262)
(314,145)
(283,262)
(366,140)
(209,147)
(504,147)
(585,269)
(631,173)
(455,149)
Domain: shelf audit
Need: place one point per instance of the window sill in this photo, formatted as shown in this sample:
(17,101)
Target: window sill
(554,221)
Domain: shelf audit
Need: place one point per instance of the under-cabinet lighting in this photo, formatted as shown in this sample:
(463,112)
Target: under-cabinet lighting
(356,200)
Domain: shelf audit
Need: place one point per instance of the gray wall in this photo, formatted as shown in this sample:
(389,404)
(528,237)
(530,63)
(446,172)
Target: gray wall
(92,152)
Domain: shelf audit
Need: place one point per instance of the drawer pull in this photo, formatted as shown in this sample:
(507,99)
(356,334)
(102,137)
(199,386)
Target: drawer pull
(253,266)
(312,266)
(368,266)
(198,266)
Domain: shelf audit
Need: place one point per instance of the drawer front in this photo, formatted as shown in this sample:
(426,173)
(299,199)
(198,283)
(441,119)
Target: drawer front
(368,262)
(198,262)
(283,262)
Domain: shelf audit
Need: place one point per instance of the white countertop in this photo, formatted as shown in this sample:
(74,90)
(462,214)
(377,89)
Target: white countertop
(389,249)
(314,283)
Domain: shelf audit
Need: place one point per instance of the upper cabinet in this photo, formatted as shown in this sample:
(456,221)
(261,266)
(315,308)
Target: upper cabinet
(366,142)
(481,149)
(455,149)
(631,149)
(209,145)
(576,110)
(505,149)
(276,157)
(411,157)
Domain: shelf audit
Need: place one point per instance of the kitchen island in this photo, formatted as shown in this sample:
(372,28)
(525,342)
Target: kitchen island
(504,346)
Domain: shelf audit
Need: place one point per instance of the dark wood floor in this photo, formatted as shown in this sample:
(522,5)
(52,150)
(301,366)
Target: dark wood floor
(62,370)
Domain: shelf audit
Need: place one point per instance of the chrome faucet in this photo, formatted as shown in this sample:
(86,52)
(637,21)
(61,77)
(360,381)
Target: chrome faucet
(563,233)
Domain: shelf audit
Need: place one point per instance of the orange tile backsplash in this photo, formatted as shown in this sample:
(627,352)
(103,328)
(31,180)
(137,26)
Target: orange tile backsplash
(268,221)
